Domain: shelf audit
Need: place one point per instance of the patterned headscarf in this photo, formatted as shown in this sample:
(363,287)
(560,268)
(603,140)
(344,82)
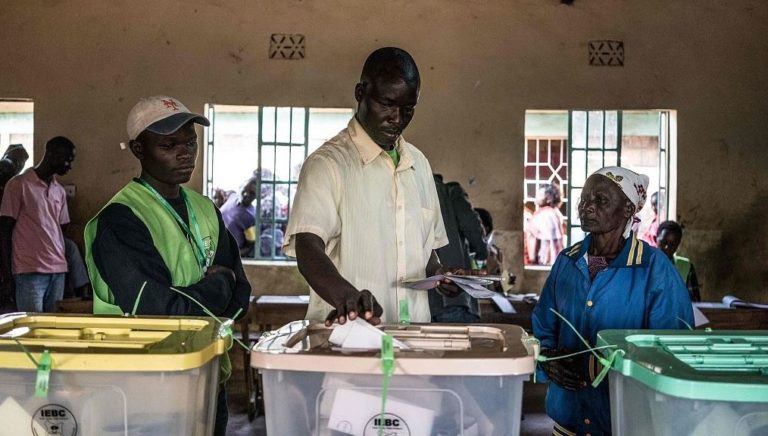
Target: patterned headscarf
(632,184)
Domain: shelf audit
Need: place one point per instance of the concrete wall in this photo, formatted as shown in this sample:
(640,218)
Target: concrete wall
(483,64)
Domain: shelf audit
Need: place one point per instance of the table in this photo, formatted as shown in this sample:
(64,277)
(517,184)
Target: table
(490,314)
(726,318)
(720,317)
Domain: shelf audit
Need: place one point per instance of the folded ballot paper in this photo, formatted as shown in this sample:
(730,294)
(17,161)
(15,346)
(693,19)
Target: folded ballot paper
(359,334)
(475,286)
(15,420)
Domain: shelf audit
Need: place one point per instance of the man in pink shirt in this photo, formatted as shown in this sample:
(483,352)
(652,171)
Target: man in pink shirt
(33,209)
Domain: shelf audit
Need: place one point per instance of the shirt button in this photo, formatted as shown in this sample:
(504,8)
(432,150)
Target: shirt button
(400,243)
(587,421)
(590,303)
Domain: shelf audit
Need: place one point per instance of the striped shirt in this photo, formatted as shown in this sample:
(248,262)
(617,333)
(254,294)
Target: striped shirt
(379,222)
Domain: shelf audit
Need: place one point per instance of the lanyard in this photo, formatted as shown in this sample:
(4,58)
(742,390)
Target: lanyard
(194,237)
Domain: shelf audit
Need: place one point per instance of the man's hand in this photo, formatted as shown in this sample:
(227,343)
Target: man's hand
(324,278)
(216,269)
(446,286)
(352,304)
(566,373)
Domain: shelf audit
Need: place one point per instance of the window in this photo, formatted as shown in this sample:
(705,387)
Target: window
(17,126)
(269,144)
(563,147)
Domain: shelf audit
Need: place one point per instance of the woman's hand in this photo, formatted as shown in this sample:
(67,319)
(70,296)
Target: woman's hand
(566,372)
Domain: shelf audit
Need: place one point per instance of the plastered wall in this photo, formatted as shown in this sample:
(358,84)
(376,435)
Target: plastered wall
(483,64)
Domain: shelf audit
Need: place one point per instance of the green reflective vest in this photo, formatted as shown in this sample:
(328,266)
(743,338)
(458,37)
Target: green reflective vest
(683,265)
(167,236)
(170,241)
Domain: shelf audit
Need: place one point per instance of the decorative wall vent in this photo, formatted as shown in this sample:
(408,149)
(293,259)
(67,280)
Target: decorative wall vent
(286,46)
(606,53)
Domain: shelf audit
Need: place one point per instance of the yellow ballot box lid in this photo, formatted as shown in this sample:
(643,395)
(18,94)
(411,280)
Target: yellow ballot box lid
(110,343)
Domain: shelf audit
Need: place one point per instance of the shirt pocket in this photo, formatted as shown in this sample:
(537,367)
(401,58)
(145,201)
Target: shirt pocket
(49,209)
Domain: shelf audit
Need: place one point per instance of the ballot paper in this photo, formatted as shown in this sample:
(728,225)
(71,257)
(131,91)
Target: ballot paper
(430,282)
(472,285)
(361,335)
(698,317)
(16,421)
(503,304)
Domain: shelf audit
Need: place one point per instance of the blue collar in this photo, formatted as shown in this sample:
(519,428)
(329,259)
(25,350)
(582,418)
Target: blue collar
(634,253)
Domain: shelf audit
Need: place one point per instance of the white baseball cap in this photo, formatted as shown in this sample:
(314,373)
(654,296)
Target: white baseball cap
(160,114)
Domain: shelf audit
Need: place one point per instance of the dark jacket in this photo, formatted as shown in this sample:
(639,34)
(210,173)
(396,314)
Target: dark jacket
(465,236)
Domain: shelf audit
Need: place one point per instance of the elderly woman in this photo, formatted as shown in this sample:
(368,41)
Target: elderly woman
(610,280)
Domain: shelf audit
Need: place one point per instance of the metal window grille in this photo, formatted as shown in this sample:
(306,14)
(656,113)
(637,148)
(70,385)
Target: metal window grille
(282,140)
(597,138)
(595,142)
(287,139)
(546,162)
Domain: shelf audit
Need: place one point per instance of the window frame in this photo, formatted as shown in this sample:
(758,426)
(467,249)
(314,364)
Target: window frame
(271,185)
(274,182)
(666,150)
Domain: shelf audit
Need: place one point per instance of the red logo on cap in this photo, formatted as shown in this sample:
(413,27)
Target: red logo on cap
(170,104)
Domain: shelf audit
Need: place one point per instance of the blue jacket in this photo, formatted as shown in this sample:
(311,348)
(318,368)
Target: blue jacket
(640,289)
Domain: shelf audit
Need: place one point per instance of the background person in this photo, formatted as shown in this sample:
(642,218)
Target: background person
(610,280)
(495,262)
(220,196)
(239,216)
(11,164)
(76,281)
(465,238)
(33,211)
(267,239)
(649,235)
(669,237)
(546,227)
(154,234)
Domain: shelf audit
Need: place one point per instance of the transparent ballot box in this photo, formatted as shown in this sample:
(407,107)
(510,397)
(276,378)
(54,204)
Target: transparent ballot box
(688,383)
(448,380)
(108,375)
